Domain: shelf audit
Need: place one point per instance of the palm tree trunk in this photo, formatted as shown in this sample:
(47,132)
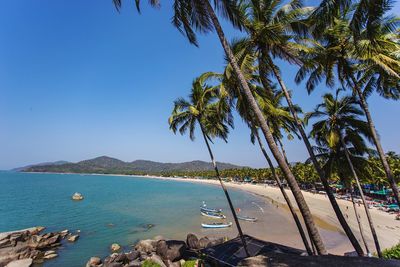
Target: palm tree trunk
(371,224)
(317,167)
(285,196)
(287,161)
(226,193)
(386,167)
(358,220)
(305,211)
(283,150)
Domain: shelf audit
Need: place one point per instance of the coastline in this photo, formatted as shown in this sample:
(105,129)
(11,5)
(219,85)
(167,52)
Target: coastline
(388,229)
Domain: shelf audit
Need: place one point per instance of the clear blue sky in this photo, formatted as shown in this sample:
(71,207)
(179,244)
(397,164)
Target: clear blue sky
(78,80)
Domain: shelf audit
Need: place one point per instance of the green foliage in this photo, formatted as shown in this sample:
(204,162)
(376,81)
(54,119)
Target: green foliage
(191,263)
(392,253)
(150,263)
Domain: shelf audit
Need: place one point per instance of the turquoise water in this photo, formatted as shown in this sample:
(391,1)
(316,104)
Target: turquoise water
(116,209)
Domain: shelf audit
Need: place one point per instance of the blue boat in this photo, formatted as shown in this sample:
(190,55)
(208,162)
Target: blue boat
(205,209)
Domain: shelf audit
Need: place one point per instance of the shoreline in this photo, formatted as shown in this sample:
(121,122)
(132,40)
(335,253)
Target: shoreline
(388,229)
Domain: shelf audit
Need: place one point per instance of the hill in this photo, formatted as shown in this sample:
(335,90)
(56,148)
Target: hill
(115,166)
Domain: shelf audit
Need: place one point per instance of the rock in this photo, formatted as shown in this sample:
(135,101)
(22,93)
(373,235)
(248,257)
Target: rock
(133,255)
(143,256)
(113,264)
(111,258)
(216,241)
(115,247)
(49,252)
(204,242)
(162,249)
(20,263)
(145,246)
(122,258)
(157,259)
(176,249)
(93,262)
(173,264)
(192,241)
(73,238)
(77,196)
(64,233)
(135,263)
(50,256)
(158,238)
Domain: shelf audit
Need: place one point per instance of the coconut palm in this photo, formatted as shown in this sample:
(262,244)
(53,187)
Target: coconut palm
(364,46)
(278,117)
(213,117)
(271,27)
(338,126)
(199,15)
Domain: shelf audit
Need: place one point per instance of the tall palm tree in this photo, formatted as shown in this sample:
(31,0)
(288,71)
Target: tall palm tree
(355,44)
(278,117)
(192,15)
(338,126)
(271,27)
(213,118)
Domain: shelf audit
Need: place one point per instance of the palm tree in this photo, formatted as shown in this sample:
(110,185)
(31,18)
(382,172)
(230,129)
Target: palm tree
(191,15)
(278,117)
(212,117)
(272,27)
(357,43)
(338,127)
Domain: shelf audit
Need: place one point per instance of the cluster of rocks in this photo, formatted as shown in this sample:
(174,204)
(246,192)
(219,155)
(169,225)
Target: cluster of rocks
(165,253)
(24,247)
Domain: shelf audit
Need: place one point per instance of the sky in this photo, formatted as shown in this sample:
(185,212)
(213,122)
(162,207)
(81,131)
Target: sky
(79,80)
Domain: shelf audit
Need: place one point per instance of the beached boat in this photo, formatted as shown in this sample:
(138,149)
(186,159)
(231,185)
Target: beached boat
(247,218)
(205,209)
(213,215)
(216,225)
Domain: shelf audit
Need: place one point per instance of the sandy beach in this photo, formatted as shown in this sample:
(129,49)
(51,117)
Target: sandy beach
(388,229)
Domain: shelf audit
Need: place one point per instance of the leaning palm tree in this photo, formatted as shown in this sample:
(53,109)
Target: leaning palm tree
(213,117)
(278,117)
(192,15)
(352,45)
(338,126)
(271,27)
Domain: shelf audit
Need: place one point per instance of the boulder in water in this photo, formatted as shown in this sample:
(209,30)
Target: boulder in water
(73,238)
(77,196)
(20,263)
(115,247)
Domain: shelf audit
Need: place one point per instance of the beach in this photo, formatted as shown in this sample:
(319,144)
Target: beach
(388,229)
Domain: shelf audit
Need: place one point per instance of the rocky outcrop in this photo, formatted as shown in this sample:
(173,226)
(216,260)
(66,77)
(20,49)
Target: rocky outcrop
(165,253)
(27,246)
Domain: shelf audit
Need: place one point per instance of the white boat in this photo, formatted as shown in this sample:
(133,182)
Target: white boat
(213,215)
(216,225)
(204,208)
(247,218)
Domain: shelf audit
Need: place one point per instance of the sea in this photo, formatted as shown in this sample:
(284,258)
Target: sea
(115,209)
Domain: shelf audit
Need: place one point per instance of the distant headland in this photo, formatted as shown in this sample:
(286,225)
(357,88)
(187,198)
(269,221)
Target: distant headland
(108,165)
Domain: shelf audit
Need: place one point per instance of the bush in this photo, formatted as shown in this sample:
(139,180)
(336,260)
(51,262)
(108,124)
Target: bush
(392,253)
(150,263)
(191,263)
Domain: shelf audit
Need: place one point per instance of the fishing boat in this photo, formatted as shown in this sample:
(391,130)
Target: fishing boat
(247,218)
(213,215)
(205,209)
(216,225)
